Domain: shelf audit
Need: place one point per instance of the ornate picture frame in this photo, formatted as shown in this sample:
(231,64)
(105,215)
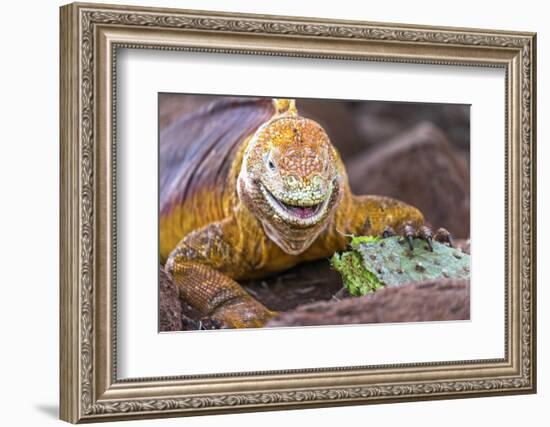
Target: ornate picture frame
(90,37)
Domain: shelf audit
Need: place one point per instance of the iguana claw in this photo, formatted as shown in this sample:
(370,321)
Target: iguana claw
(443,236)
(388,232)
(409,232)
(425,233)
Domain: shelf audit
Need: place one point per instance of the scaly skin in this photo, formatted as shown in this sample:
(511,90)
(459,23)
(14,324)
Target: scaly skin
(287,200)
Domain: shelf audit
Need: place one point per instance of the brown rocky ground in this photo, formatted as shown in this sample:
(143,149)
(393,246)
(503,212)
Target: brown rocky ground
(304,292)
(434,300)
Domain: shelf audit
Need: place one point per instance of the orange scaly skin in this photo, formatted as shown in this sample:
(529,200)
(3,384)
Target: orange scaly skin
(287,200)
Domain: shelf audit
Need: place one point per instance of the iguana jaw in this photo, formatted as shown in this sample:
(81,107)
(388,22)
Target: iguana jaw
(293,235)
(303,214)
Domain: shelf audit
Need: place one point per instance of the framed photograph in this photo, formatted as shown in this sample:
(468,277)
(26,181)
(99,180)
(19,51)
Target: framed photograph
(268,212)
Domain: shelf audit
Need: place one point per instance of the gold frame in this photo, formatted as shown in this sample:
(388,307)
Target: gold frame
(90,36)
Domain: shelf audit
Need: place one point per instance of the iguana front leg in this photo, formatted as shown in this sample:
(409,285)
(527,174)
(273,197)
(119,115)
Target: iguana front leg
(372,215)
(202,265)
(385,217)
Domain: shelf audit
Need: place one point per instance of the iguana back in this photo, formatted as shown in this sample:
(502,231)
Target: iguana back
(197,153)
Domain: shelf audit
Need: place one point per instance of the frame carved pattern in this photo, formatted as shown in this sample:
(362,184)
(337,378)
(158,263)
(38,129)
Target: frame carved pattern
(91,16)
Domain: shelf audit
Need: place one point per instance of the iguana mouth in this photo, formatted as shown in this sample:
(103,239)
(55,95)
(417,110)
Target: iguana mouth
(301,214)
(301,211)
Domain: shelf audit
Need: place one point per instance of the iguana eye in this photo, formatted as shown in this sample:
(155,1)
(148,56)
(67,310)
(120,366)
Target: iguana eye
(270,163)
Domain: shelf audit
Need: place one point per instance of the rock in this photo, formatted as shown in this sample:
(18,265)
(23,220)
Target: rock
(174,313)
(433,300)
(420,168)
(379,122)
(170,305)
(462,244)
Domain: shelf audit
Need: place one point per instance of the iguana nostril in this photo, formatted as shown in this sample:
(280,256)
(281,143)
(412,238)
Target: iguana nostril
(292,182)
(317,182)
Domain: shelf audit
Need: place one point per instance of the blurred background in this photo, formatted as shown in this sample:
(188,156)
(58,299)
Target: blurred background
(415,152)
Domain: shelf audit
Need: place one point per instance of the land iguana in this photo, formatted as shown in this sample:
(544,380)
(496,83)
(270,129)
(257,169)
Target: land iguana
(249,188)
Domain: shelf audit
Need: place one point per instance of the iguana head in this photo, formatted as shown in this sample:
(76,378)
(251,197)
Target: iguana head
(290,178)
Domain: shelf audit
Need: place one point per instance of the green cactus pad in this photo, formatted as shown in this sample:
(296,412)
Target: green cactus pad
(375,262)
(356,277)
